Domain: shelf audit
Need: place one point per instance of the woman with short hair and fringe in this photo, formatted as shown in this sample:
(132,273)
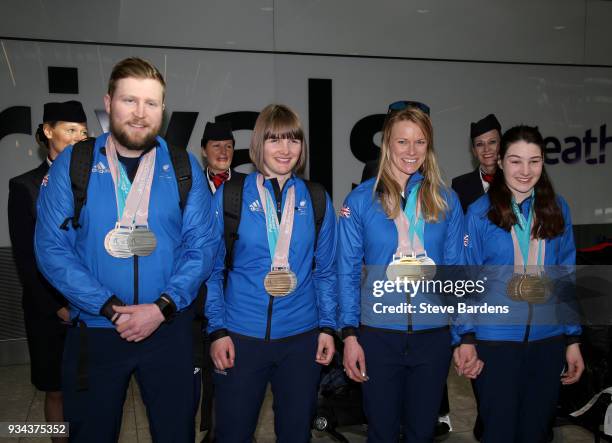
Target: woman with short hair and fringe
(274,319)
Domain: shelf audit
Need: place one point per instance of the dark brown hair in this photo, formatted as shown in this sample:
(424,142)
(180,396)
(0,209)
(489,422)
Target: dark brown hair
(40,136)
(548,220)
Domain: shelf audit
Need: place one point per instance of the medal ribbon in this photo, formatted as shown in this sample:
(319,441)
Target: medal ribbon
(279,235)
(410,226)
(528,251)
(122,189)
(132,199)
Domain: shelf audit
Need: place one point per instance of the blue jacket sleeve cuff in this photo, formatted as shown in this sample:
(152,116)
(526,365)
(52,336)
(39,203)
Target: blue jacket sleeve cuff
(107,308)
(349,331)
(219,333)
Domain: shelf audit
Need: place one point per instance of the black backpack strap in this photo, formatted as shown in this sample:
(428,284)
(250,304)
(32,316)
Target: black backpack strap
(319,206)
(182,172)
(232,207)
(81,162)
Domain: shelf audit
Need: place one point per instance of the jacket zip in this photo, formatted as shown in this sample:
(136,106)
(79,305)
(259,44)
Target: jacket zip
(131,176)
(528,327)
(269,321)
(279,198)
(135,279)
(410,328)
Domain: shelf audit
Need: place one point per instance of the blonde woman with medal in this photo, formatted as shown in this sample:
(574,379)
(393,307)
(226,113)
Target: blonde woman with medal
(521,233)
(404,223)
(273,319)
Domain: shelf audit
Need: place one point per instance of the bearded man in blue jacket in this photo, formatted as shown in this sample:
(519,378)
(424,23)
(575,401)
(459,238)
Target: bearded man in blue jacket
(130,266)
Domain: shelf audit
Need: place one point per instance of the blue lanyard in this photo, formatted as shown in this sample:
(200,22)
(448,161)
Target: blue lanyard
(123,188)
(523,230)
(272,225)
(417,224)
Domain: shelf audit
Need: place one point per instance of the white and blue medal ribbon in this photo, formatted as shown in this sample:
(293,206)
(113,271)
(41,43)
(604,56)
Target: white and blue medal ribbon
(280,281)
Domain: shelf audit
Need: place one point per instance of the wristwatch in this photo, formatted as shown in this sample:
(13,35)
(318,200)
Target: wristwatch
(166,306)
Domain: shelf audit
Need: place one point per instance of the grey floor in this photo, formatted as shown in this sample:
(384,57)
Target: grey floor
(19,401)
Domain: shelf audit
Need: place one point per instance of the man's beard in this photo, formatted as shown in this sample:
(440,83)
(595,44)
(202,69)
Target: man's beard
(130,143)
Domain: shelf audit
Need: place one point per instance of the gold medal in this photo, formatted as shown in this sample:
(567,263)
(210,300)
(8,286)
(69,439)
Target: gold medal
(528,288)
(428,267)
(411,267)
(406,267)
(280,282)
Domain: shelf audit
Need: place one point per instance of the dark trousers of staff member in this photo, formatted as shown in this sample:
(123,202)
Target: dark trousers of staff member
(289,366)
(162,365)
(407,374)
(518,389)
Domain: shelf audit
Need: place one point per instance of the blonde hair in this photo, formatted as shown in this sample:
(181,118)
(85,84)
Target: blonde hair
(277,121)
(433,205)
(134,67)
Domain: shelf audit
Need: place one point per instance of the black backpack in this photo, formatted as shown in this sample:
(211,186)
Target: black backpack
(232,208)
(81,163)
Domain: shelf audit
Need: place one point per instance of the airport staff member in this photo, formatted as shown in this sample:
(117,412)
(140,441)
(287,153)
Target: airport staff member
(485,135)
(218,145)
(45,310)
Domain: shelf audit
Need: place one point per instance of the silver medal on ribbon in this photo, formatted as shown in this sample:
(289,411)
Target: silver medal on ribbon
(116,242)
(141,241)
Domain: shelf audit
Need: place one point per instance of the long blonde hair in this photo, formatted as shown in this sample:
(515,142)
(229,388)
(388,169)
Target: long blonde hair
(433,205)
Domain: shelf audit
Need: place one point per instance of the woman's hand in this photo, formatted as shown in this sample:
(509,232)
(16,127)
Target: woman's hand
(64,314)
(575,365)
(354,360)
(223,353)
(467,362)
(325,349)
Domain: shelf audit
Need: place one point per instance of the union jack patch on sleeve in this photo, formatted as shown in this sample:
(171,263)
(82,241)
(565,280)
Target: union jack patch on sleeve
(45,180)
(345,212)
(466,240)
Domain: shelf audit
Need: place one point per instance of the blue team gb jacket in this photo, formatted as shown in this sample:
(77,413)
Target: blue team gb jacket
(76,262)
(490,254)
(366,236)
(243,306)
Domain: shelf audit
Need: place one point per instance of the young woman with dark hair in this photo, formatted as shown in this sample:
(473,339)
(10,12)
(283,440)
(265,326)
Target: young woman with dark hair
(520,236)
(548,218)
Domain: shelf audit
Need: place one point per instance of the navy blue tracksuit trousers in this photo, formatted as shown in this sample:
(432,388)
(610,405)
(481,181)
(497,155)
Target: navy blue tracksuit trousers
(163,366)
(407,377)
(289,365)
(518,389)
